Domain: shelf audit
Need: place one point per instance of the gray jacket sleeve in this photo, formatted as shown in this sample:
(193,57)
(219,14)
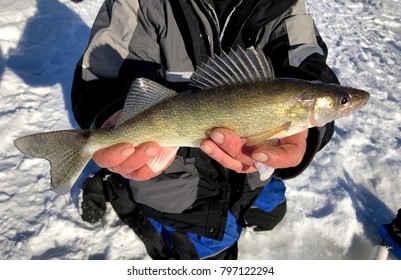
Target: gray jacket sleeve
(172,191)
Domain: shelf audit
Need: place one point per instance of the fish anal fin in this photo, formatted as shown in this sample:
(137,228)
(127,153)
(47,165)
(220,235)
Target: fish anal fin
(265,171)
(259,138)
(160,161)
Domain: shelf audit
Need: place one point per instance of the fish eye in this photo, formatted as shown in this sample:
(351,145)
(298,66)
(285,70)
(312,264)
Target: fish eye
(344,100)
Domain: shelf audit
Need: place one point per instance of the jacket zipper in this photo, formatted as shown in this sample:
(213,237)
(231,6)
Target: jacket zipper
(216,25)
(228,19)
(243,24)
(196,9)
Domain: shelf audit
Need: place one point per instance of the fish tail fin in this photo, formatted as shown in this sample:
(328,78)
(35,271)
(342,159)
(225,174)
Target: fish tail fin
(65,150)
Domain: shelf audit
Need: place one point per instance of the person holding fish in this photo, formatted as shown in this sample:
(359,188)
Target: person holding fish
(196,111)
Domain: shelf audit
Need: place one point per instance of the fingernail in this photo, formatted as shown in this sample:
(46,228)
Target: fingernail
(207,149)
(151,151)
(127,151)
(260,157)
(217,137)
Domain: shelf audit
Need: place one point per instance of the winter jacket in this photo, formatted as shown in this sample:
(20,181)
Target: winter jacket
(165,41)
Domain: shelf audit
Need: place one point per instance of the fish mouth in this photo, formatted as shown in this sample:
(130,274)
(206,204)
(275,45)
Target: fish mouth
(361,98)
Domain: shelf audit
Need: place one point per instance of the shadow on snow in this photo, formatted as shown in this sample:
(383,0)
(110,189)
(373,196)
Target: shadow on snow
(52,42)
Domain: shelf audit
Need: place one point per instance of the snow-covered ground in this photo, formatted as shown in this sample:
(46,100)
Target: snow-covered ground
(335,207)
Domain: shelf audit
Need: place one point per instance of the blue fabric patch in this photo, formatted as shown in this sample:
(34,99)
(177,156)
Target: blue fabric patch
(393,246)
(205,247)
(271,196)
(158,226)
(165,231)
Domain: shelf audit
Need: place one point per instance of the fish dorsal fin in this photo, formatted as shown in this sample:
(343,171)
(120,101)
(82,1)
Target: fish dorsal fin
(142,95)
(237,67)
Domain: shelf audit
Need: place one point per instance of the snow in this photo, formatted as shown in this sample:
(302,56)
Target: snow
(335,207)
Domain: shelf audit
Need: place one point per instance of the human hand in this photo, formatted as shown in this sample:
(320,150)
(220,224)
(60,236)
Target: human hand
(129,161)
(231,151)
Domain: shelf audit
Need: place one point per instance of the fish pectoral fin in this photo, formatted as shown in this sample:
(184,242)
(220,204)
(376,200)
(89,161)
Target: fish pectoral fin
(265,171)
(259,138)
(160,161)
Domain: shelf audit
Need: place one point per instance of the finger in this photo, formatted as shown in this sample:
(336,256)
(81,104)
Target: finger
(232,144)
(113,155)
(143,154)
(215,152)
(141,174)
(288,153)
(145,172)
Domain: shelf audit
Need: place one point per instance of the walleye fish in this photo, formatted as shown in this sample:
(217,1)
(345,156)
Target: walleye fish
(236,91)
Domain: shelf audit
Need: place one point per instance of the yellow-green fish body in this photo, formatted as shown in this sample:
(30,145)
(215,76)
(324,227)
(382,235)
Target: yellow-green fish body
(248,109)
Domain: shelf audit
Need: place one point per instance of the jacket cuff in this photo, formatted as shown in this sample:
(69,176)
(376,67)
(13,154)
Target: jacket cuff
(105,117)
(93,102)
